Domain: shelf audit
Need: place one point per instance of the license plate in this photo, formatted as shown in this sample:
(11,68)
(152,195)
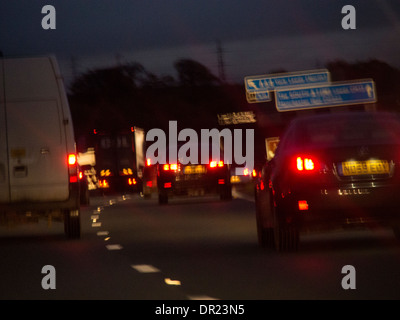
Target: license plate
(194,169)
(351,168)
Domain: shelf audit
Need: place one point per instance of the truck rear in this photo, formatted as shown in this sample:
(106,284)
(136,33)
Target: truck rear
(119,159)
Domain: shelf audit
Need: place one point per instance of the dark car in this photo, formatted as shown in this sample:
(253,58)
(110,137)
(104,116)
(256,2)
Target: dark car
(193,179)
(329,171)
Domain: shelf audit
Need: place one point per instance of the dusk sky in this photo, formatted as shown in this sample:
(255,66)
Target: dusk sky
(256,36)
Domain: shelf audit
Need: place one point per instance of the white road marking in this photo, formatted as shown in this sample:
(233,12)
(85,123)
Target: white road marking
(114,247)
(145,268)
(172,282)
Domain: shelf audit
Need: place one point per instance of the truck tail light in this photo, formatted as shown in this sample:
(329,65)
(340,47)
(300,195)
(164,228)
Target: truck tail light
(103,183)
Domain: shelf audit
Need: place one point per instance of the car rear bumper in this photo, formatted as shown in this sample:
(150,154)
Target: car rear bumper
(192,185)
(343,206)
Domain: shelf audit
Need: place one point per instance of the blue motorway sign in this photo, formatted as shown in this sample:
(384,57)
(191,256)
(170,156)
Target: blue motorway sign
(282,80)
(335,94)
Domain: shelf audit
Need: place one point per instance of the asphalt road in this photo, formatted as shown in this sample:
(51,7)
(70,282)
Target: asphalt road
(193,248)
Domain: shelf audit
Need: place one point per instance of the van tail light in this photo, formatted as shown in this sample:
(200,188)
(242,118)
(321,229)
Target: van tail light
(72,159)
(306,164)
(72,168)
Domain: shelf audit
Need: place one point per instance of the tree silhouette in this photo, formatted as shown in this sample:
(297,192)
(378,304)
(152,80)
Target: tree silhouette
(192,73)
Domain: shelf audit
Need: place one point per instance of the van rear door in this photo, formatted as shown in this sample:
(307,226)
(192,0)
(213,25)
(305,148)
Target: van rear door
(4,183)
(37,150)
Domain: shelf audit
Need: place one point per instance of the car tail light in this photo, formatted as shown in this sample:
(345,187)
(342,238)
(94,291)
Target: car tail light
(172,167)
(149,183)
(303,205)
(221,181)
(306,164)
(214,164)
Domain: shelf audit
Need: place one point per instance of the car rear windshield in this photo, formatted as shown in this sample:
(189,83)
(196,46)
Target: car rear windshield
(345,131)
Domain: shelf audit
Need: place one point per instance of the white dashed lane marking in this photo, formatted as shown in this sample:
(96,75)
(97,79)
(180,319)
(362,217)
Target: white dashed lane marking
(145,268)
(142,268)
(114,247)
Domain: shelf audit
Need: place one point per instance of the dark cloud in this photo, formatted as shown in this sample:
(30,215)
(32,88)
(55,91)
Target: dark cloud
(99,27)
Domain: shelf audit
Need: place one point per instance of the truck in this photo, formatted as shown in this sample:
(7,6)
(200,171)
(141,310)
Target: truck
(120,159)
(39,174)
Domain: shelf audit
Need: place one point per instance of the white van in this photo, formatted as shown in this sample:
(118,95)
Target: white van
(38,162)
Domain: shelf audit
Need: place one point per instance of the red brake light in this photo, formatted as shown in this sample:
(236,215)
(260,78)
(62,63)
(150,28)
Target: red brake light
(303,205)
(172,167)
(214,164)
(71,159)
(305,164)
(72,168)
